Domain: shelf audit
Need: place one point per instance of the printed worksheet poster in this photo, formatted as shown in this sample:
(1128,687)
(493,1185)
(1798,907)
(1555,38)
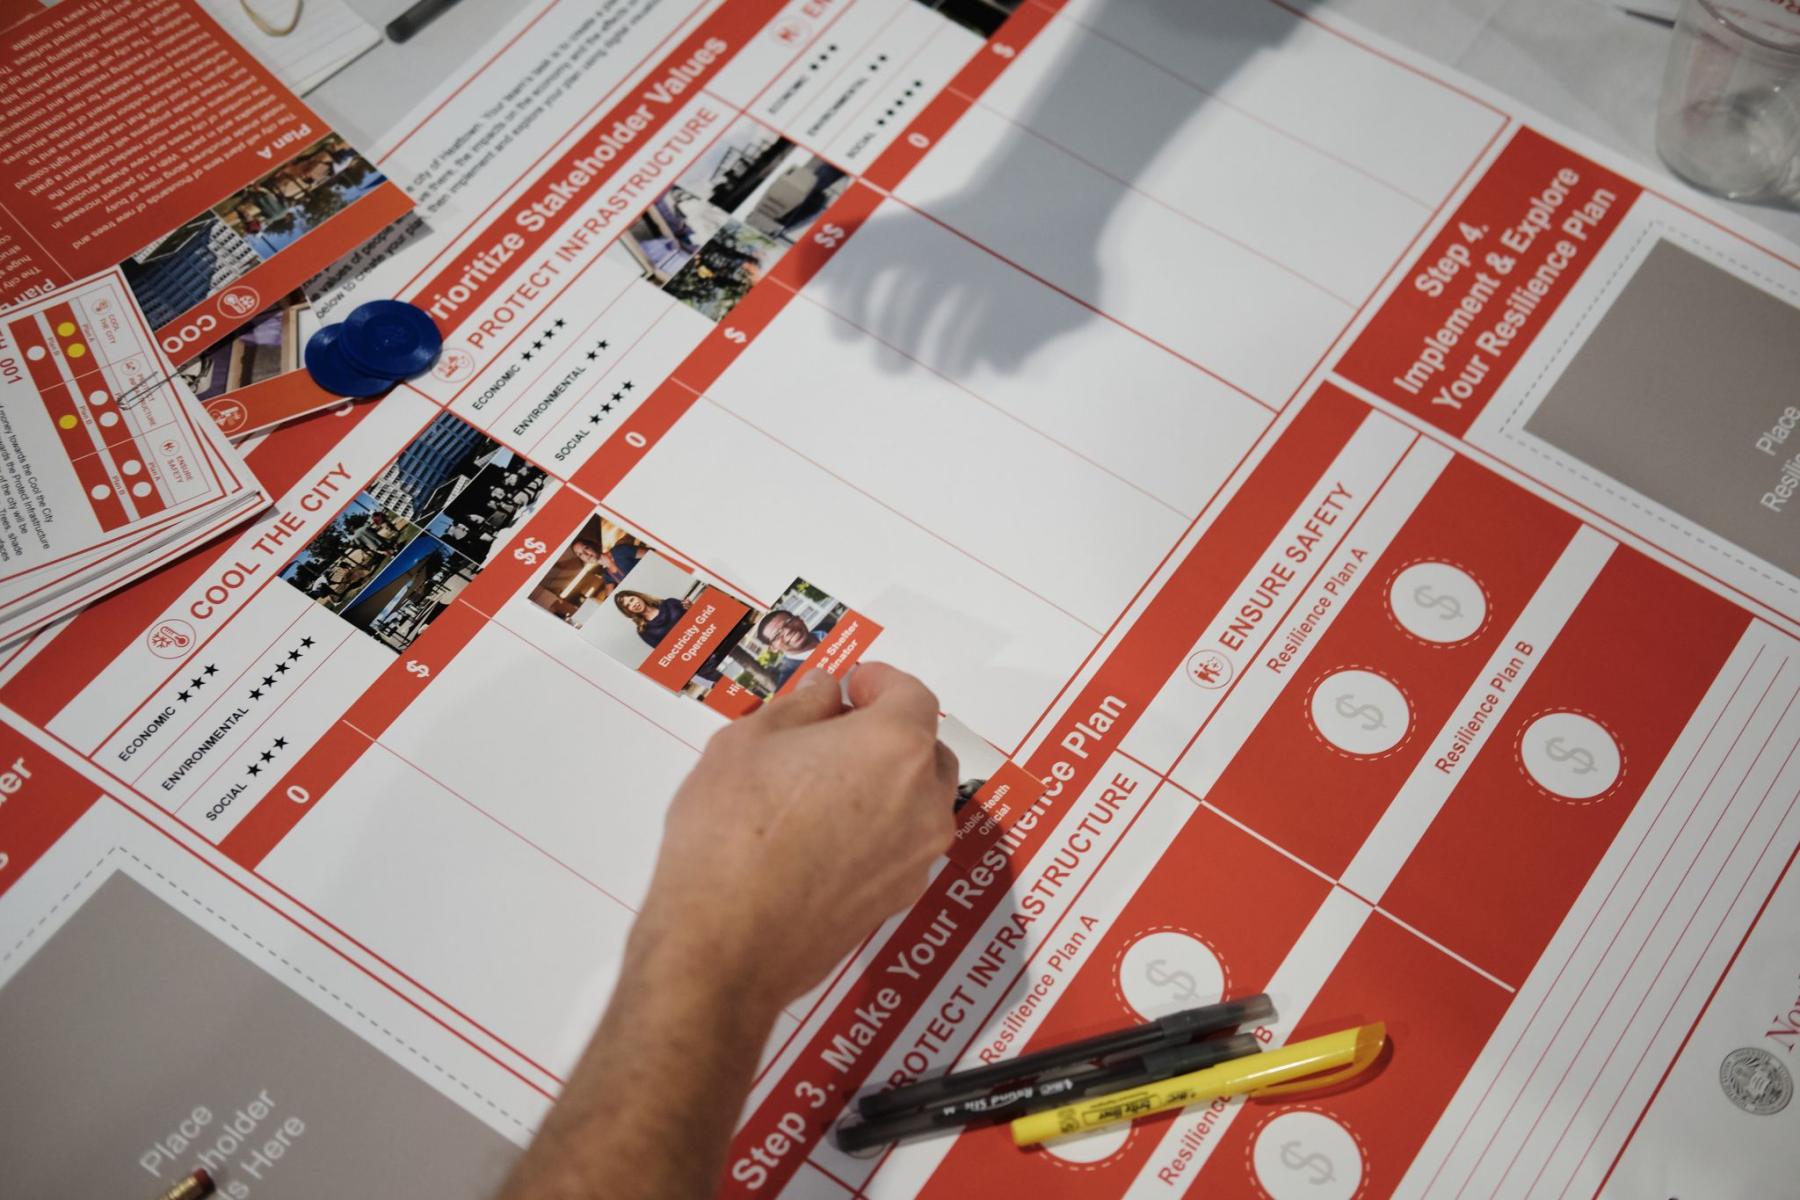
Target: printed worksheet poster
(1349,522)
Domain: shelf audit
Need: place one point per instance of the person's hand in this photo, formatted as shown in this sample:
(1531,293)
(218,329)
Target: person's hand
(801,828)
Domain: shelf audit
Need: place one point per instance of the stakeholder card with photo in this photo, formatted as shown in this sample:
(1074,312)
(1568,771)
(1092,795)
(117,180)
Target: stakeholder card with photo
(992,792)
(806,630)
(663,621)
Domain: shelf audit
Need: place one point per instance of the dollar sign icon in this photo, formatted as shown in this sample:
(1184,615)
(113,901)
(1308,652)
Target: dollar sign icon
(1369,714)
(1448,606)
(1295,1157)
(1180,982)
(1581,756)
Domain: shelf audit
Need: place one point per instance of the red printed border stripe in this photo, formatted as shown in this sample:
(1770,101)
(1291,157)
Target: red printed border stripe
(1068,762)
(1444,342)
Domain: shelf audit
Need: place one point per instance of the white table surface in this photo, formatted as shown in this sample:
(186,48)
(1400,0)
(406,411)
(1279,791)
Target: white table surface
(1581,62)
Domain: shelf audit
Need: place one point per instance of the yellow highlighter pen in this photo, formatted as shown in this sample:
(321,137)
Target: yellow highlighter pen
(1304,1066)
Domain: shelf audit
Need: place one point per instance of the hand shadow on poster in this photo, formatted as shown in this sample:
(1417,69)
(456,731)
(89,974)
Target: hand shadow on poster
(958,321)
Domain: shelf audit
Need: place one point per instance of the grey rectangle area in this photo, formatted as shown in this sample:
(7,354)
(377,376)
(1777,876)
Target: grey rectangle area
(1686,391)
(136,1046)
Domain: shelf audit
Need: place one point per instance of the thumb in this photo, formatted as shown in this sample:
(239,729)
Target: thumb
(814,698)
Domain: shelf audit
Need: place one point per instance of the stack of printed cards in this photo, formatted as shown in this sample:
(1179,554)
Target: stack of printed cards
(651,613)
(108,465)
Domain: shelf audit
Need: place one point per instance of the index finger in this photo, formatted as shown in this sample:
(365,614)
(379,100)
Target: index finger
(888,689)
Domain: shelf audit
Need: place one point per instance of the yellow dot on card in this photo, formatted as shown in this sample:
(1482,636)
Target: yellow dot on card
(67,421)
(65,329)
(76,350)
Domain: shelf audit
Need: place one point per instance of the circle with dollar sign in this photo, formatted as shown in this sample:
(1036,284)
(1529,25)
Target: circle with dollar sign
(1570,755)
(1086,1149)
(1359,712)
(1168,970)
(1437,602)
(1304,1154)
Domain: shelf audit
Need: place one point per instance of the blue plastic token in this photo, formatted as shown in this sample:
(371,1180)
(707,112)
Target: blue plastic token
(326,363)
(391,339)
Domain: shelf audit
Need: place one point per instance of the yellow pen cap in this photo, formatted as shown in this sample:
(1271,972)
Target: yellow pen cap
(1304,1066)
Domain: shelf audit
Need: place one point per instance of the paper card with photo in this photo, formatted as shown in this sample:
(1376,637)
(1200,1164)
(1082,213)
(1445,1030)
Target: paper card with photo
(991,791)
(582,577)
(665,622)
(208,231)
(806,630)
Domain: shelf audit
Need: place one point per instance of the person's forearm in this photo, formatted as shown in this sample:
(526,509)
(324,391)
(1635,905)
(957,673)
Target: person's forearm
(648,1111)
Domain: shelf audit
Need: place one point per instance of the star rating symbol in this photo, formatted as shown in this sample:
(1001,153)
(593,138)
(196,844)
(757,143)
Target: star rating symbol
(526,356)
(594,420)
(618,396)
(210,671)
(592,355)
(293,656)
(606,408)
(626,385)
(254,770)
(604,344)
(268,756)
(306,643)
(197,682)
(281,668)
(184,695)
(268,681)
(558,323)
(281,743)
(256,693)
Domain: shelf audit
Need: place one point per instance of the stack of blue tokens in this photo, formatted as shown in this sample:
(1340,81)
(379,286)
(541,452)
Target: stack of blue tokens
(372,349)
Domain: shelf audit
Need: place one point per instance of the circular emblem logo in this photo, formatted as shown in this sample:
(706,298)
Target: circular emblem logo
(1209,669)
(228,414)
(453,364)
(239,301)
(1756,1081)
(170,639)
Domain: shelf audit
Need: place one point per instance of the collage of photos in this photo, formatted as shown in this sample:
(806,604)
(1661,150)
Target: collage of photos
(408,543)
(208,253)
(630,601)
(725,222)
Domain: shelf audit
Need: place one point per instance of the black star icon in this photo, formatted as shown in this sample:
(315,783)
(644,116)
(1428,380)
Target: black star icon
(268,681)
(254,769)
(306,643)
(813,67)
(606,408)
(196,682)
(558,322)
(210,670)
(594,420)
(618,395)
(526,356)
(184,695)
(293,656)
(268,756)
(256,693)
(592,355)
(881,120)
(281,668)
(626,385)
(605,344)
(281,743)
